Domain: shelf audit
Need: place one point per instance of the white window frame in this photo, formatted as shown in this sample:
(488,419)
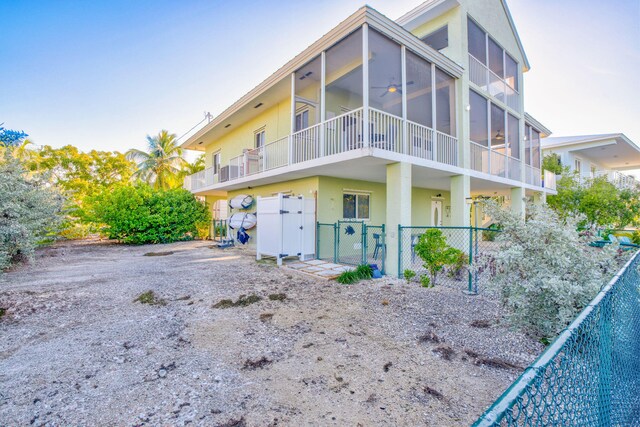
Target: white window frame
(357,195)
(262,134)
(577,165)
(300,114)
(216,162)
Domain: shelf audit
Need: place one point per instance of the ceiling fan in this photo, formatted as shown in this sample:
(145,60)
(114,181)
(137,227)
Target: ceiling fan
(391,88)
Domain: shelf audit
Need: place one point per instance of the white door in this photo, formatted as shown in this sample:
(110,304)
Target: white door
(436,212)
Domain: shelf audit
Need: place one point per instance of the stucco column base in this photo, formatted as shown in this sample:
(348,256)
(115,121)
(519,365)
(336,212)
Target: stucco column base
(460,197)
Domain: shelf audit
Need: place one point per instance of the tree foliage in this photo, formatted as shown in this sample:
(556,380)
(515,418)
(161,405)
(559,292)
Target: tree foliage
(552,163)
(545,271)
(140,214)
(30,210)
(434,251)
(80,175)
(161,164)
(600,202)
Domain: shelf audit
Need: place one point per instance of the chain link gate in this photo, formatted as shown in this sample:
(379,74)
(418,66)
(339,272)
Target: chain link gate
(352,243)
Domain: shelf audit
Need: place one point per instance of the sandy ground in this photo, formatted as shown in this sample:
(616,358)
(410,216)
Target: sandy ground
(75,349)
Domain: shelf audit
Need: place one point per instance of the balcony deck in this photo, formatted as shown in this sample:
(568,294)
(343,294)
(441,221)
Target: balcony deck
(317,149)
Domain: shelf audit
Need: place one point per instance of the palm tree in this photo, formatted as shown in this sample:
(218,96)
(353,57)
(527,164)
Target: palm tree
(161,165)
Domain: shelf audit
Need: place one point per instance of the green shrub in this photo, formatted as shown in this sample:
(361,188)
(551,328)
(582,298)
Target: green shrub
(348,277)
(362,272)
(432,248)
(461,263)
(490,234)
(30,213)
(636,237)
(544,270)
(425,281)
(139,214)
(409,274)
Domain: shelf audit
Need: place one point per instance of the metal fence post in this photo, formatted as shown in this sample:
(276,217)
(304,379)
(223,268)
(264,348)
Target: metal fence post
(399,251)
(318,240)
(364,242)
(471,275)
(383,259)
(336,241)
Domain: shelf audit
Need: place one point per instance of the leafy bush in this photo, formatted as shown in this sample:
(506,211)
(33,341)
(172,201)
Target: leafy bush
(30,212)
(139,214)
(409,275)
(490,234)
(460,265)
(545,272)
(425,281)
(432,248)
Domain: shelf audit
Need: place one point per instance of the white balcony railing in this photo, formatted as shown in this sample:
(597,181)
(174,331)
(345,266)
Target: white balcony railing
(336,135)
(549,180)
(532,175)
(618,179)
(491,83)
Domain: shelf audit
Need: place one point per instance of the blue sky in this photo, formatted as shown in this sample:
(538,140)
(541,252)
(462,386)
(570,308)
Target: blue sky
(104,74)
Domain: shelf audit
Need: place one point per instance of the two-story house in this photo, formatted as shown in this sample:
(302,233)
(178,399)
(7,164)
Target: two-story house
(591,156)
(391,122)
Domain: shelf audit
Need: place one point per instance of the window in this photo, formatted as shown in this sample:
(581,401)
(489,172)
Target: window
(593,171)
(355,206)
(385,74)
(527,145)
(445,103)
(216,162)
(513,125)
(535,148)
(439,39)
(477,41)
(478,118)
(307,90)
(419,93)
(498,136)
(511,71)
(496,58)
(302,120)
(343,78)
(259,138)
(577,165)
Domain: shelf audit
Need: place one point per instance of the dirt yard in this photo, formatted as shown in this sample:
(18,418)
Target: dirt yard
(76,349)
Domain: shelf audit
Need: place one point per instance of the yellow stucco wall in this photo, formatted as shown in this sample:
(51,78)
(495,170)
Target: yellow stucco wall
(276,122)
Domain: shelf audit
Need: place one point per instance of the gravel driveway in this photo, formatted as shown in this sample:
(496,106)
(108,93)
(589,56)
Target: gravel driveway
(75,349)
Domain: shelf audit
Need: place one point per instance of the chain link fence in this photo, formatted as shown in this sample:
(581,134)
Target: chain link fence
(218,230)
(473,242)
(590,374)
(352,243)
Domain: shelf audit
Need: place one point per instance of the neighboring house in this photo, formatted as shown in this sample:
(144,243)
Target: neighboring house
(389,122)
(597,155)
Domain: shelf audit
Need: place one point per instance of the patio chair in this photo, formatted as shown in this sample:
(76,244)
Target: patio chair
(378,247)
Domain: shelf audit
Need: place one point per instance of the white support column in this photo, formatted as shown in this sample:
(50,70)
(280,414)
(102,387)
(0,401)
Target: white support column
(460,187)
(518,204)
(323,81)
(365,84)
(489,171)
(293,116)
(398,211)
(434,116)
(403,56)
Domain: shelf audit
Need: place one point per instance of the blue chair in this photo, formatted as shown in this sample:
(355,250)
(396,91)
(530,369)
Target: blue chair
(379,245)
